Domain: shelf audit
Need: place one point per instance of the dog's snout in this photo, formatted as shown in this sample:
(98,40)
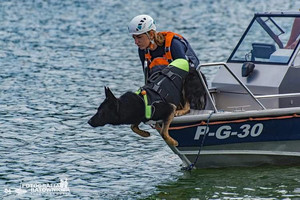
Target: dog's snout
(94,123)
(90,122)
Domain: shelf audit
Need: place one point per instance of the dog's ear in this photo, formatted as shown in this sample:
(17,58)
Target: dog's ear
(109,94)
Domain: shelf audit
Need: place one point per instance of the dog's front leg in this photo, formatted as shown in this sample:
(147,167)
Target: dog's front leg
(135,128)
(184,110)
(165,129)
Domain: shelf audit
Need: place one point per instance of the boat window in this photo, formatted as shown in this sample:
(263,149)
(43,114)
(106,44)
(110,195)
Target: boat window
(265,41)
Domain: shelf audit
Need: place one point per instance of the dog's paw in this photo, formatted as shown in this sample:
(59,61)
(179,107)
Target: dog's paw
(143,133)
(137,130)
(181,112)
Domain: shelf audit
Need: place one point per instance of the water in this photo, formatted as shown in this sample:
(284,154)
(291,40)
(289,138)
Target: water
(235,183)
(56,57)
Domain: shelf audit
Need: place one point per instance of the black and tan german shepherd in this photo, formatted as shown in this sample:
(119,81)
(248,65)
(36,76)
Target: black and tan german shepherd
(130,108)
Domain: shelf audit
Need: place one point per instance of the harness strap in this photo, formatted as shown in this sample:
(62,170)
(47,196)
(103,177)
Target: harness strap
(147,55)
(167,56)
(148,108)
(168,40)
(158,61)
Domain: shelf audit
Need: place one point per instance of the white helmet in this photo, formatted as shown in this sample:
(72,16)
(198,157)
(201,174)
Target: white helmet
(141,24)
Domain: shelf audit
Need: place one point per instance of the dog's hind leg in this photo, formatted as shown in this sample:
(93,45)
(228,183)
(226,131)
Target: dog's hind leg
(184,110)
(135,128)
(165,128)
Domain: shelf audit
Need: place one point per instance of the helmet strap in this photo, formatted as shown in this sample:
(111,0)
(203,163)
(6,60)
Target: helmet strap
(148,36)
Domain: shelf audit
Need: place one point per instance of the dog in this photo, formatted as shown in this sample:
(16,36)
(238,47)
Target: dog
(131,108)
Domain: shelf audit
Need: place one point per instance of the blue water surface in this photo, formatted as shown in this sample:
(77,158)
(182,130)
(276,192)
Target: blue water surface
(57,56)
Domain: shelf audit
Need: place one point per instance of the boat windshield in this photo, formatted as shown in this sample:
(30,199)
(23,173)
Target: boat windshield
(266,40)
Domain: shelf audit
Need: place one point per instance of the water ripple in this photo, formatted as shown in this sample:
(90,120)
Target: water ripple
(57,56)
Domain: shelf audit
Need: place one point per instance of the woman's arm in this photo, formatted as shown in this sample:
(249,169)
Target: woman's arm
(294,33)
(178,49)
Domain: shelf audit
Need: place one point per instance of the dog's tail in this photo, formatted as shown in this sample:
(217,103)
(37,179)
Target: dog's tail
(194,90)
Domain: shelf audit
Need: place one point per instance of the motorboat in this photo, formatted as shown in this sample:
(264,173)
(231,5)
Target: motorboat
(252,116)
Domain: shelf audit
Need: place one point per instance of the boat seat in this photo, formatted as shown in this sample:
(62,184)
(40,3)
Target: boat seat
(262,50)
(281,55)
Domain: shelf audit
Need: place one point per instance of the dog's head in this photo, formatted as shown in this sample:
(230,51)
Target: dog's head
(107,112)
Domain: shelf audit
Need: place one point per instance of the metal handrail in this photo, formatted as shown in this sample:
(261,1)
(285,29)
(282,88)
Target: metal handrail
(206,89)
(234,76)
(270,32)
(277,95)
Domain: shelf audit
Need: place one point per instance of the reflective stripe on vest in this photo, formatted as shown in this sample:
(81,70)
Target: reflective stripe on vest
(148,108)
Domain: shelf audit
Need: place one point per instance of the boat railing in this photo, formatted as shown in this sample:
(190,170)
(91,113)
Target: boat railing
(234,76)
(277,95)
(254,97)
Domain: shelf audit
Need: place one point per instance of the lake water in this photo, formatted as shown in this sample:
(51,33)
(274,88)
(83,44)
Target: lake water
(57,56)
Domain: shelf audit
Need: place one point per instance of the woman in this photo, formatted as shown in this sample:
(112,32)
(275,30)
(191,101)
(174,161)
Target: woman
(158,49)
